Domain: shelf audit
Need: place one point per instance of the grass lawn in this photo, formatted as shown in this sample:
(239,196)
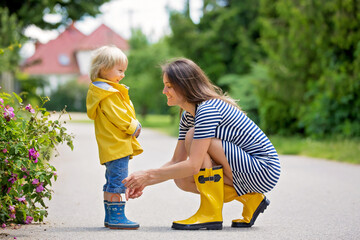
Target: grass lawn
(162,123)
(342,150)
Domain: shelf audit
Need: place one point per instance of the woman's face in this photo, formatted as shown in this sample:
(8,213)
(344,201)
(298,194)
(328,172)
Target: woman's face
(115,74)
(173,98)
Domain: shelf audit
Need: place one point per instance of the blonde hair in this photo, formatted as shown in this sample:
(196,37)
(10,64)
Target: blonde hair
(105,58)
(190,81)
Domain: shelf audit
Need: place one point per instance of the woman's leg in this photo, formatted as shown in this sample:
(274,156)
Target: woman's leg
(216,156)
(188,184)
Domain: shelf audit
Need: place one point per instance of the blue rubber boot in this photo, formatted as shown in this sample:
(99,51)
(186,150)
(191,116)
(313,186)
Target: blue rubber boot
(117,218)
(106,220)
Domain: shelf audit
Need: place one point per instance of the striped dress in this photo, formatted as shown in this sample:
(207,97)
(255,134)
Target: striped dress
(253,159)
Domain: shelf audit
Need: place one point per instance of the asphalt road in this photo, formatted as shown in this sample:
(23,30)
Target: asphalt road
(314,199)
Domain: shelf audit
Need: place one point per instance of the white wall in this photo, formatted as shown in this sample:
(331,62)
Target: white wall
(83,59)
(56,80)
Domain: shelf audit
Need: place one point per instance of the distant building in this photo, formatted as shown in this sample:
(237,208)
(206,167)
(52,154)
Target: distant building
(68,56)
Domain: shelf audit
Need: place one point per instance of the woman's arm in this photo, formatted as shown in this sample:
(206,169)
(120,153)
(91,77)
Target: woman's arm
(175,169)
(179,154)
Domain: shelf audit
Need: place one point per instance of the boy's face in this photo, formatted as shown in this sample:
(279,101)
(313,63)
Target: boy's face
(115,74)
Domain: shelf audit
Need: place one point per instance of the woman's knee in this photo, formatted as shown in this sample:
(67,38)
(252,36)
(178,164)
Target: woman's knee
(180,183)
(186,184)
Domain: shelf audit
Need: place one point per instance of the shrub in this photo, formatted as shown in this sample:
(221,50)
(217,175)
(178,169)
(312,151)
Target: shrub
(71,94)
(27,138)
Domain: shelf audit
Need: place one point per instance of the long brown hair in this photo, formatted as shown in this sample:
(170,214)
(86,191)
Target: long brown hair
(191,82)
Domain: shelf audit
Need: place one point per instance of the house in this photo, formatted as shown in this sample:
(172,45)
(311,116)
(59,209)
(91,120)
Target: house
(68,56)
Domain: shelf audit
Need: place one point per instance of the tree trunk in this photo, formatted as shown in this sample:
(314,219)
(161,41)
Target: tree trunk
(7,82)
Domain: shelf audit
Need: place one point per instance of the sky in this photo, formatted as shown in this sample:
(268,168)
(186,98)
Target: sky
(122,15)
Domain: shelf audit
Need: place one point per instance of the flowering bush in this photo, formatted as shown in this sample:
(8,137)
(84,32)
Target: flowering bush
(27,138)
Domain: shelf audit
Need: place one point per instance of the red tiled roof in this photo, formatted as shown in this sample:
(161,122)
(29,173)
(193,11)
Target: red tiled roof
(58,55)
(103,35)
(48,57)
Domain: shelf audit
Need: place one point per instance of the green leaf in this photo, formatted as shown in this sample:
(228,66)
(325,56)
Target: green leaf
(18,98)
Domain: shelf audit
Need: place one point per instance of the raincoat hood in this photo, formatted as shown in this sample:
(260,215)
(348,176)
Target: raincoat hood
(97,94)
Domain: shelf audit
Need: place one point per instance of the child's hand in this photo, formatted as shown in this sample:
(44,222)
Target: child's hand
(133,193)
(137,133)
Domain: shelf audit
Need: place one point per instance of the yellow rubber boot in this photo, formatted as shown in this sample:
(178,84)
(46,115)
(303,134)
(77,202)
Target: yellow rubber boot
(229,193)
(210,183)
(254,204)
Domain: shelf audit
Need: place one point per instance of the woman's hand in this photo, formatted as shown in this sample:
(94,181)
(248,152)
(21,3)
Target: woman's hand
(137,180)
(133,193)
(135,184)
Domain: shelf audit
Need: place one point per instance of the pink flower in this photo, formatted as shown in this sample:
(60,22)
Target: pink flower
(1,100)
(12,215)
(33,154)
(8,113)
(13,178)
(4,150)
(25,171)
(22,199)
(11,208)
(39,188)
(3,225)
(28,219)
(35,181)
(29,108)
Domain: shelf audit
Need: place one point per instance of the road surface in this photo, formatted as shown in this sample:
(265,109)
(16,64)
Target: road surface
(314,199)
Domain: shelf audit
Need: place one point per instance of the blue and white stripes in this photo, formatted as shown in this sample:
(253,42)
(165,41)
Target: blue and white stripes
(251,156)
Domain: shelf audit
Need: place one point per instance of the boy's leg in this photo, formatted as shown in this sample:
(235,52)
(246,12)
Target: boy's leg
(116,171)
(112,197)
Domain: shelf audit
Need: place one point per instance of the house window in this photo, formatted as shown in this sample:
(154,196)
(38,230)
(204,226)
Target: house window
(63,59)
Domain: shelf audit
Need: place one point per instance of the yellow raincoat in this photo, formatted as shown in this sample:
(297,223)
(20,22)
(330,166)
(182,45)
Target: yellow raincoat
(115,122)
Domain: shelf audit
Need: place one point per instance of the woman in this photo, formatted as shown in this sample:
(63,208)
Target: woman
(220,152)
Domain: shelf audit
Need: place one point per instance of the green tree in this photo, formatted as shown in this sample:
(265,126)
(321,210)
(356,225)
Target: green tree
(143,75)
(10,42)
(16,15)
(225,45)
(32,11)
(10,38)
(225,39)
(313,50)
